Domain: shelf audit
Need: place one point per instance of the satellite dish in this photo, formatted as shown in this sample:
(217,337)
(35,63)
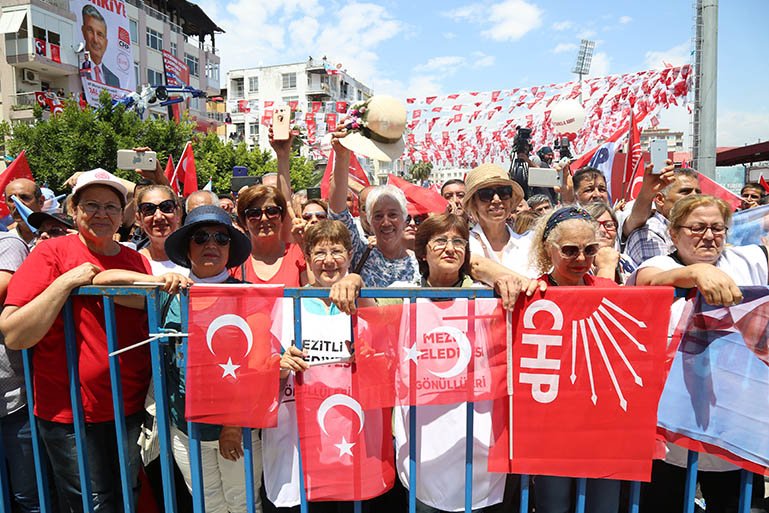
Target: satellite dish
(80,47)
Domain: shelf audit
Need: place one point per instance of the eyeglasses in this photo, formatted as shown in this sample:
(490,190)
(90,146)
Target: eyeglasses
(419,219)
(505,192)
(91,207)
(337,254)
(201,237)
(440,243)
(609,226)
(149,209)
(701,229)
(271,212)
(572,251)
(317,215)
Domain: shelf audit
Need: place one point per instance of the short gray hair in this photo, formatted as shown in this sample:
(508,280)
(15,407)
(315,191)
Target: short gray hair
(385,191)
(214,199)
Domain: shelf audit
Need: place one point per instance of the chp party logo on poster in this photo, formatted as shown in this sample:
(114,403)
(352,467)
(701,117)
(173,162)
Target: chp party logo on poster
(103,27)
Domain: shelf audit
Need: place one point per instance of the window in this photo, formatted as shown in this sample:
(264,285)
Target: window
(154,39)
(154,77)
(253,131)
(136,73)
(38,33)
(289,80)
(237,88)
(54,38)
(133,27)
(212,72)
(193,63)
(253,84)
(174,49)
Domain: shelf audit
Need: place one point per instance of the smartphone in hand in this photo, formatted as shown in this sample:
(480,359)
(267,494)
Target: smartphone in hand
(658,148)
(280,123)
(130,159)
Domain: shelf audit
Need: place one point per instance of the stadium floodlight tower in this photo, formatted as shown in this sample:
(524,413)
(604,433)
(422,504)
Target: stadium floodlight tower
(584,58)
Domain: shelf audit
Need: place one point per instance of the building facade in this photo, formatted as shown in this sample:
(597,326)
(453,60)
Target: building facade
(300,84)
(675,140)
(177,26)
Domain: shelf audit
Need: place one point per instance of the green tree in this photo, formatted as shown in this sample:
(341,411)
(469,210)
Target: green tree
(421,171)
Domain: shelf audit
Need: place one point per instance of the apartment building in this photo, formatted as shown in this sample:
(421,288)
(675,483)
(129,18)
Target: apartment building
(41,48)
(306,83)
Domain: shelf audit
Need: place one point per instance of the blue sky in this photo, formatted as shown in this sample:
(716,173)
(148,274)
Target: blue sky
(428,47)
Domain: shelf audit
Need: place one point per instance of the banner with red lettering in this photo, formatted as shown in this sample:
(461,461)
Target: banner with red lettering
(585,381)
(443,352)
(233,357)
(177,73)
(347,450)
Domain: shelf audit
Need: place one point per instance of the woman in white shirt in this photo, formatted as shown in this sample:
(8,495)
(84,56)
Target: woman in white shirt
(159,215)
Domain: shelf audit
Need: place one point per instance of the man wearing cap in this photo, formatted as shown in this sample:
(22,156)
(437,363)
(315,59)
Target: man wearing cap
(28,193)
(51,225)
(32,317)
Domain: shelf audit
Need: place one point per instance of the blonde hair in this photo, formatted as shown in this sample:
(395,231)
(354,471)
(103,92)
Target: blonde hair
(686,205)
(539,253)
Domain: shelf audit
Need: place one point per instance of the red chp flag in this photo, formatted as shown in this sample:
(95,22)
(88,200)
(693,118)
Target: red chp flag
(420,199)
(19,168)
(186,172)
(233,358)
(440,353)
(714,188)
(356,173)
(586,378)
(347,451)
(171,174)
(634,166)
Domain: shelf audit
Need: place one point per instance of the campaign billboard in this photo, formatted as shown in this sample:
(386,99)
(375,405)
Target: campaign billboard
(107,59)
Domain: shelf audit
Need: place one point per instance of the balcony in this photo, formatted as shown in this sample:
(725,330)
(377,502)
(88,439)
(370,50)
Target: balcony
(315,65)
(318,90)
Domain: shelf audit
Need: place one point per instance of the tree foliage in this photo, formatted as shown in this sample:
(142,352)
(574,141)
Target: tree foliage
(420,171)
(81,139)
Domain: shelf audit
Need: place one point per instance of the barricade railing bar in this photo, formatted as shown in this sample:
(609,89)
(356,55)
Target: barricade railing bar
(153,302)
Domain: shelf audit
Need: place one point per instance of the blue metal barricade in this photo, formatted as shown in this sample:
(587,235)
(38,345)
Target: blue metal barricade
(163,420)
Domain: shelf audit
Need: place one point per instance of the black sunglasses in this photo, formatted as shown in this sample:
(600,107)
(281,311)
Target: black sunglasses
(203,236)
(417,219)
(505,192)
(271,212)
(165,206)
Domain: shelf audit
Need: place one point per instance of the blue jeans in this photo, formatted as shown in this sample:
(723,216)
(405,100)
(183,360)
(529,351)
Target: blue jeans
(17,445)
(555,495)
(103,462)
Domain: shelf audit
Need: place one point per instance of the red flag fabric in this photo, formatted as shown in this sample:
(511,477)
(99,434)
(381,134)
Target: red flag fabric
(233,359)
(763,183)
(356,173)
(634,161)
(714,188)
(347,451)
(171,174)
(19,168)
(457,352)
(420,199)
(595,362)
(186,172)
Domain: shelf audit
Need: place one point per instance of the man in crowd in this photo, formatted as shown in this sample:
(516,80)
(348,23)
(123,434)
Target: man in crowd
(652,239)
(453,191)
(30,194)
(200,198)
(751,194)
(540,203)
(590,186)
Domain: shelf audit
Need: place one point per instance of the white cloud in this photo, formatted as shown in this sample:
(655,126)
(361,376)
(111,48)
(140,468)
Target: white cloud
(564,47)
(417,86)
(586,34)
(507,20)
(302,31)
(481,60)
(599,67)
(449,35)
(740,128)
(624,20)
(445,64)
(562,25)
(676,56)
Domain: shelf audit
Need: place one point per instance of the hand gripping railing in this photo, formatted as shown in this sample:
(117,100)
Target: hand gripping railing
(163,420)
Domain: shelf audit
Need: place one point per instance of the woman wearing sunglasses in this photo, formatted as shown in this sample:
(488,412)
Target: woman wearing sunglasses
(413,221)
(490,200)
(609,262)
(564,247)
(158,215)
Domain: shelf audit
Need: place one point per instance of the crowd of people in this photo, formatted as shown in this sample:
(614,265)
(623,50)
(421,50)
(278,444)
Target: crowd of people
(112,232)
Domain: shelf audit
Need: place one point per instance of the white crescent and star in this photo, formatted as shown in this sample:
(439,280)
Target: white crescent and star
(330,402)
(229,368)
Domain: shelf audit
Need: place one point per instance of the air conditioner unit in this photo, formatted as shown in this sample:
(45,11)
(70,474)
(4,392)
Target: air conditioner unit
(29,76)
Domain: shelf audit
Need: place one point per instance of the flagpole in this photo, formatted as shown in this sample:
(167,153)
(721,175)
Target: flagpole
(509,342)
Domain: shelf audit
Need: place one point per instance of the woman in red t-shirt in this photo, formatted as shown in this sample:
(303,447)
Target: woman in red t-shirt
(563,249)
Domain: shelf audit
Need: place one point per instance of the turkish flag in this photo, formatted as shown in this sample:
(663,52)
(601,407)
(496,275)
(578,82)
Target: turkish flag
(186,172)
(347,451)
(171,174)
(233,357)
(763,183)
(443,352)
(598,362)
(356,173)
(19,168)
(420,199)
